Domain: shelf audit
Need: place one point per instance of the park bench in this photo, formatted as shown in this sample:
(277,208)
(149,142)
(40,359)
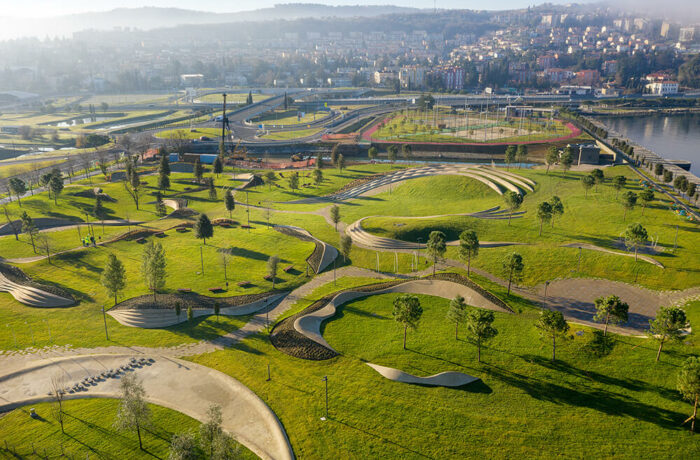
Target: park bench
(182,230)
(246,226)
(141,240)
(224,225)
(215,289)
(160,234)
(243,283)
(267,278)
(288,269)
(184,290)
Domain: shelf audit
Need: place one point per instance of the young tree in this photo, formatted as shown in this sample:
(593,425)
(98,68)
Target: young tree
(610,309)
(407,312)
(668,176)
(113,276)
(647,196)
(132,183)
(230,203)
(272,265)
(629,200)
(457,312)
(164,173)
(29,228)
(198,170)
(210,430)
(521,154)
(618,184)
(668,326)
(468,247)
(57,394)
(635,236)
(133,410)
(44,243)
(566,160)
(212,188)
(183,447)
(658,169)
(319,160)
(513,201)
(218,165)
(557,208)
(509,156)
(391,153)
(552,325)
(552,157)
(203,228)
(56,186)
(587,182)
(436,246)
(19,188)
(335,215)
(161,210)
(598,176)
(318,176)
(190,313)
(153,267)
(341,162)
(372,153)
(544,213)
(294,181)
(480,329)
(406,152)
(689,386)
(334,154)
(345,246)
(512,266)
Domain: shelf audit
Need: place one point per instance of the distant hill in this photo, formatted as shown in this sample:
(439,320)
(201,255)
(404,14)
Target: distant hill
(149,18)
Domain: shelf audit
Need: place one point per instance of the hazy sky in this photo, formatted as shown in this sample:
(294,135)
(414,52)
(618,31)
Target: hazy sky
(36,8)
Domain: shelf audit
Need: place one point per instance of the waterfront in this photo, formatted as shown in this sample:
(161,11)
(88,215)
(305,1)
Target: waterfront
(671,136)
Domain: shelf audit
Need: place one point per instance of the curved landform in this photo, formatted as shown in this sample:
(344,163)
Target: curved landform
(144,313)
(499,181)
(173,383)
(443,379)
(324,254)
(364,239)
(300,335)
(23,289)
(593,247)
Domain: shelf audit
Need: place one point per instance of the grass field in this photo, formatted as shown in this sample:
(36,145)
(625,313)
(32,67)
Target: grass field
(89,432)
(195,133)
(233,98)
(524,405)
(544,258)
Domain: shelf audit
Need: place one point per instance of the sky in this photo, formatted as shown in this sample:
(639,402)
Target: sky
(46,8)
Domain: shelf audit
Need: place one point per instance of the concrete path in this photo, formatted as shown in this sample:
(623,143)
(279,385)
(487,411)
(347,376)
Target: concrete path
(329,253)
(310,325)
(491,177)
(180,385)
(443,379)
(593,247)
(32,296)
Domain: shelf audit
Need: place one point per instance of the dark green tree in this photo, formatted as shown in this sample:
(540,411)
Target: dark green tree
(407,312)
(513,201)
(610,309)
(552,325)
(689,386)
(480,328)
(457,313)
(113,277)
(512,267)
(203,228)
(468,247)
(436,246)
(230,203)
(669,324)
(544,213)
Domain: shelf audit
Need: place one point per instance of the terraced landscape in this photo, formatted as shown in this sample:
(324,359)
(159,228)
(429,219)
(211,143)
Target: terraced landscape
(327,311)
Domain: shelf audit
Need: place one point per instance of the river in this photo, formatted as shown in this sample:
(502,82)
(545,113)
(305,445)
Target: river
(675,137)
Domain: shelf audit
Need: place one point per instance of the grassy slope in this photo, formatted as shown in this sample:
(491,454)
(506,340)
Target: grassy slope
(89,431)
(597,219)
(524,406)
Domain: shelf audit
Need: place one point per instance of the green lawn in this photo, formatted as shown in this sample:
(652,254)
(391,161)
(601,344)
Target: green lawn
(89,431)
(597,219)
(288,117)
(194,133)
(80,272)
(294,134)
(524,406)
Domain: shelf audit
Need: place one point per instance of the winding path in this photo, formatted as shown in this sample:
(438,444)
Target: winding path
(180,385)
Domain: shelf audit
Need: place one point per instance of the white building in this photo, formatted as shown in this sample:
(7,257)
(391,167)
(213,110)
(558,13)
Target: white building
(662,88)
(412,77)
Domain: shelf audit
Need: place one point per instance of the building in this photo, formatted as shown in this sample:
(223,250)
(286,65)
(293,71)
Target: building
(587,77)
(382,77)
(453,78)
(687,34)
(412,77)
(662,88)
(191,79)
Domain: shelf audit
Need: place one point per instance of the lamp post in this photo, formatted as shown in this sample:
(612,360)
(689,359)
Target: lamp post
(325,379)
(546,285)
(104,318)
(578,269)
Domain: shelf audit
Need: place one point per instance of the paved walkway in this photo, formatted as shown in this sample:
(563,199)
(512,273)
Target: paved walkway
(180,385)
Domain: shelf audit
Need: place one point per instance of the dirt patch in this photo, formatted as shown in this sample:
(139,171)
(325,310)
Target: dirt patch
(287,340)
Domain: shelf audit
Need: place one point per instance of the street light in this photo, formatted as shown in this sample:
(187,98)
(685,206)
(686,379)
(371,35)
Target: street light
(325,379)
(104,318)
(546,285)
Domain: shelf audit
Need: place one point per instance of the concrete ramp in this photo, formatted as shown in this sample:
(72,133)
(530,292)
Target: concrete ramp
(443,379)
